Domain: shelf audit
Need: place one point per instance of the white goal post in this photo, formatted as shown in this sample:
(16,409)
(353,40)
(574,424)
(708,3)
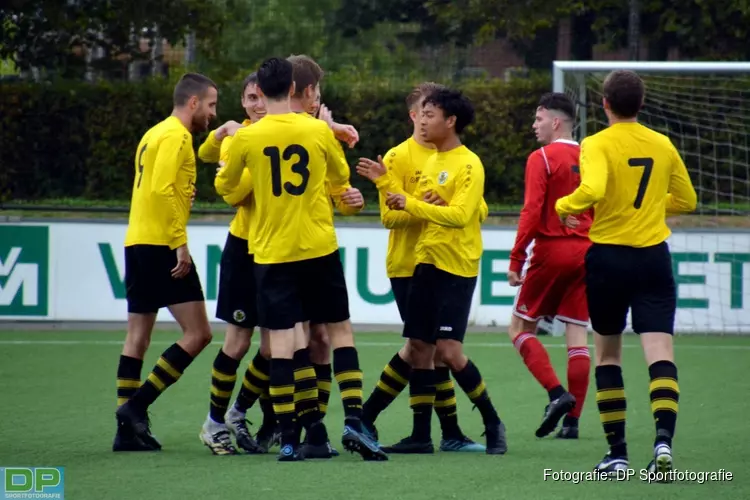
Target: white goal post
(704,108)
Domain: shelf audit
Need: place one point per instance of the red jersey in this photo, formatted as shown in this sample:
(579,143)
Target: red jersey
(551,173)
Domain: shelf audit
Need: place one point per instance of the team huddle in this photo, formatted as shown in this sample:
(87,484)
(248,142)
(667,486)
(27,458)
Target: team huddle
(591,246)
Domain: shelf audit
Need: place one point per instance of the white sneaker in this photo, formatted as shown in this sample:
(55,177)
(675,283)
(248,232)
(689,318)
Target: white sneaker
(661,465)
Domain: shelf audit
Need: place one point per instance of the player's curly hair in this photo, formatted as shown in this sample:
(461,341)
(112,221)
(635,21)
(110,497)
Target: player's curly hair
(453,103)
(624,91)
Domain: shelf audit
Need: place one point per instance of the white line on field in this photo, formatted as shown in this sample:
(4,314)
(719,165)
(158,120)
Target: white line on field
(707,347)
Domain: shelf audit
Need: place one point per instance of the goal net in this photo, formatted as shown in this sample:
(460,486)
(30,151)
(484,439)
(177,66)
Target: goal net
(704,108)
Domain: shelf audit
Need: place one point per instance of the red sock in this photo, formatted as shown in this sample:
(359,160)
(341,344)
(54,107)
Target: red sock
(579,366)
(537,360)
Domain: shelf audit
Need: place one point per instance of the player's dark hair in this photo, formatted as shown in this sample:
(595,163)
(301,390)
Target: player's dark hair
(624,91)
(191,84)
(453,103)
(275,77)
(421,91)
(250,79)
(558,101)
(306,73)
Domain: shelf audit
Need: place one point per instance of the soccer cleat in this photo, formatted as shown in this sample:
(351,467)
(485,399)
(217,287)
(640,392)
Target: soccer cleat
(497,443)
(220,443)
(462,444)
(567,432)
(135,423)
(237,426)
(125,442)
(316,443)
(409,445)
(354,441)
(611,464)
(661,465)
(289,453)
(268,436)
(554,411)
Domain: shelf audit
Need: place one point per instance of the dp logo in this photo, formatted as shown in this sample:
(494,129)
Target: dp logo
(32,482)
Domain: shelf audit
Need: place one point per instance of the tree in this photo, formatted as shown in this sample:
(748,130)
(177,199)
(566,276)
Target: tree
(53,34)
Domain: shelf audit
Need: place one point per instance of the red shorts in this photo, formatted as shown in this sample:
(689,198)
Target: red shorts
(555,282)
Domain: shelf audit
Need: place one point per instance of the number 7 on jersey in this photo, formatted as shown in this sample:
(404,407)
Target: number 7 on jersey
(648,165)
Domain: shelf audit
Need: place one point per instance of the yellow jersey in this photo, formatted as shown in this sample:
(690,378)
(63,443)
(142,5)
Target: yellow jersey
(451,239)
(291,160)
(633,176)
(164,182)
(213,151)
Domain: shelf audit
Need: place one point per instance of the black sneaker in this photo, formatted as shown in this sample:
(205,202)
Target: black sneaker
(409,445)
(497,444)
(567,432)
(316,444)
(289,453)
(610,464)
(268,436)
(129,442)
(356,442)
(554,411)
(135,423)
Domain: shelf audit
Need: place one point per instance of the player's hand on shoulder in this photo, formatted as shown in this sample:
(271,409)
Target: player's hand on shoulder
(570,222)
(514,279)
(353,197)
(395,201)
(370,169)
(227,130)
(345,133)
(434,199)
(184,261)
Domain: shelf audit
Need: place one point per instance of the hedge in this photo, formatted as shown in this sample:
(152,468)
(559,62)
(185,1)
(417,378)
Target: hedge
(73,140)
(78,140)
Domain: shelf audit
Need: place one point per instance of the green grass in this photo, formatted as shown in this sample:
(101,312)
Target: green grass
(57,403)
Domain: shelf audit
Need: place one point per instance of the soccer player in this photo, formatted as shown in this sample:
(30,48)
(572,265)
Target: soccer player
(405,164)
(298,271)
(554,284)
(316,358)
(447,256)
(632,176)
(236,306)
(159,271)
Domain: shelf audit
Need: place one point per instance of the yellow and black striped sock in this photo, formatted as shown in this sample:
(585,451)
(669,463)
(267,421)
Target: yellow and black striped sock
(610,398)
(349,377)
(305,390)
(472,383)
(445,403)
(168,370)
(254,383)
(282,396)
(323,374)
(665,398)
(128,378)
(421,401)
(223,378)
(392,382)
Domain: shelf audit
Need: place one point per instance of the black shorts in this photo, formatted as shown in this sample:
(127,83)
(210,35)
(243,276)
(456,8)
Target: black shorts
(149,284)
(236,301)
(439,305)
(400,287)
(619,278)
(308,290)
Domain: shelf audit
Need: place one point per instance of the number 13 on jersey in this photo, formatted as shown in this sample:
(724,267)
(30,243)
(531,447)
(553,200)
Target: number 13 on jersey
(299,167)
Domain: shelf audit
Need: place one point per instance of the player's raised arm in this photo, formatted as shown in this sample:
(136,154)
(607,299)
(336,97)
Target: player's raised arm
(533,205)
(465,202)
(173,151)
(594,174)
(682,197)
(210,150)
(229,176)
